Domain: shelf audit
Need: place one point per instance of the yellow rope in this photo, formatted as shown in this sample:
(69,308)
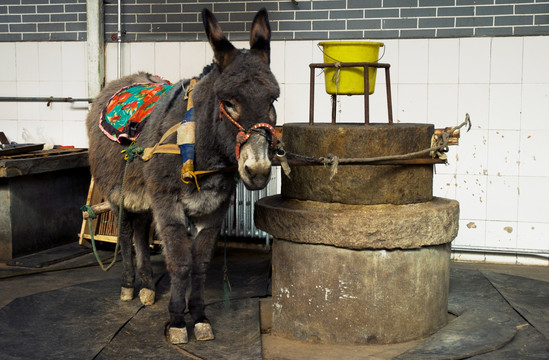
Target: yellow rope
(188,176)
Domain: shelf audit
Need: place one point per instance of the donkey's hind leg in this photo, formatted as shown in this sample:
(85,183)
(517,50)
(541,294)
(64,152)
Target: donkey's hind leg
(141,224)
(125,241)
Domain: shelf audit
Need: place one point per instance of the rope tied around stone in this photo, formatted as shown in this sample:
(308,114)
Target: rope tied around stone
(332,161)
(439,145)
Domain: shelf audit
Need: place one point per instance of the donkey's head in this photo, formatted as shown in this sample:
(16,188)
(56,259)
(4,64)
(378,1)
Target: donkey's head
(245,91)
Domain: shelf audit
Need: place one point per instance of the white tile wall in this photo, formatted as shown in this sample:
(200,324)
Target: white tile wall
(8,68)
(43,69)
(192,59)
(473,153)
(502,198)
(499,172)
(533,201)
(442,105)
(74,61)
(503,152)
(501,234)
(443,61)
(535,59)
(535,106)
(167,60)
(50,66)
(389,54)
(299,55)
(444,185)
(506,60)
(505,105)
(475,100)
(472,233)
(474,60)
(413,61)
(142,56)
(26,61)
(472,193)
(534,153)
(412,102)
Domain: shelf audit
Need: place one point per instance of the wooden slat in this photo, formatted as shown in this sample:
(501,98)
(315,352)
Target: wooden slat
(104,226)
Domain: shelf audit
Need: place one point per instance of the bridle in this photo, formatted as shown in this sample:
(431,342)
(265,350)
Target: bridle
(243,135)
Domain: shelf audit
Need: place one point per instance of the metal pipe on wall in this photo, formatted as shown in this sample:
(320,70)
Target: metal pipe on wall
(525,252)
(95,45)
(48,100)
(119,41)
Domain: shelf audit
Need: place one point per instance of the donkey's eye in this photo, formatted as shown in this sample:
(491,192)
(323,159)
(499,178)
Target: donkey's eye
(232,108)
(228,105)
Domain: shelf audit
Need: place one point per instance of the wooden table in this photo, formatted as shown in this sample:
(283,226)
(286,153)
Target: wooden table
(40,197)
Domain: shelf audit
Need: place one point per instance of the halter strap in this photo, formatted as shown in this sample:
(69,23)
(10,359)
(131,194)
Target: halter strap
(243,135)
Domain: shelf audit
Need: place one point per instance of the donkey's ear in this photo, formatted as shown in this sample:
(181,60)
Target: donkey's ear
(224,51)
(260,36)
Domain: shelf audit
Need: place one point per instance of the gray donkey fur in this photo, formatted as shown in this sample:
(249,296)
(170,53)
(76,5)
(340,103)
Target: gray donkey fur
(243,82)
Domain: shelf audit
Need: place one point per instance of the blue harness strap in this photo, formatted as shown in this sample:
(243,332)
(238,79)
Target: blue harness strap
(185,146)
(186,138)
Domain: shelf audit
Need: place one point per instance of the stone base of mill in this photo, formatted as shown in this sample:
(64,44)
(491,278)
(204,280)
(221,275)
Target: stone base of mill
(334,295)
(381,289)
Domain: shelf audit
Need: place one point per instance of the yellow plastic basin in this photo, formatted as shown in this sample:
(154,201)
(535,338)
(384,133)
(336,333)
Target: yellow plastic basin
(351,79)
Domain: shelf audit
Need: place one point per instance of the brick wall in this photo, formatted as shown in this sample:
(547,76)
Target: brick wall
(179,20)
(42,20)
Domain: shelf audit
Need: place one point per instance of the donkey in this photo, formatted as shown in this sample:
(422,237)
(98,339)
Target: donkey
(235,93)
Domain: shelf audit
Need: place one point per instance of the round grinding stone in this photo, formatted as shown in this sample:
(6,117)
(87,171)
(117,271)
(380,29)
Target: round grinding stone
(359,274)
(358,184)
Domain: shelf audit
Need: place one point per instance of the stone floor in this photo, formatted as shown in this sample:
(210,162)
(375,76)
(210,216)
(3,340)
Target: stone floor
(72,311)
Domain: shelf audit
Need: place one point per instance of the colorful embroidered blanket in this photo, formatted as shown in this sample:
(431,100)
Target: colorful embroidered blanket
(126,112)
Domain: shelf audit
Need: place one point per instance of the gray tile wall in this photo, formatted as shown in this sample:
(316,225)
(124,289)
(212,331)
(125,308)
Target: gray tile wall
(42,20)
(179,20)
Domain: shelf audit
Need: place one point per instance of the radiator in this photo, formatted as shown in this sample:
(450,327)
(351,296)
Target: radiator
(239,221)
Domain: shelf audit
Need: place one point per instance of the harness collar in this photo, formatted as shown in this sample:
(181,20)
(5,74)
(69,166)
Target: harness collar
(243,135)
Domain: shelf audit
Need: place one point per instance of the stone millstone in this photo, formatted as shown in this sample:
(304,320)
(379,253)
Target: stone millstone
(359,184)
(359,227)
(359,274)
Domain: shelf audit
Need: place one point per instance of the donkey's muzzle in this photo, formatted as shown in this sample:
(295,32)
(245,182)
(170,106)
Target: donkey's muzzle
(254,164)
(263,129)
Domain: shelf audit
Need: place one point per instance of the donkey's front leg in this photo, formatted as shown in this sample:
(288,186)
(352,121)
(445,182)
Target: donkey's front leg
(178,255)
(203,247)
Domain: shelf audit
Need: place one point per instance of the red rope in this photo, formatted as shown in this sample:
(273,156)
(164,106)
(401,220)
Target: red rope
(242,136)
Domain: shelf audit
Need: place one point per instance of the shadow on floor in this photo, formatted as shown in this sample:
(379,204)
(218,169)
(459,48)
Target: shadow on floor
(74,312)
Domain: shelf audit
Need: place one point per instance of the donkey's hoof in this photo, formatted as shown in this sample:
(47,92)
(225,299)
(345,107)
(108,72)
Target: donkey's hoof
(203,331)
(146,296)
(126,294)
(178,335)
